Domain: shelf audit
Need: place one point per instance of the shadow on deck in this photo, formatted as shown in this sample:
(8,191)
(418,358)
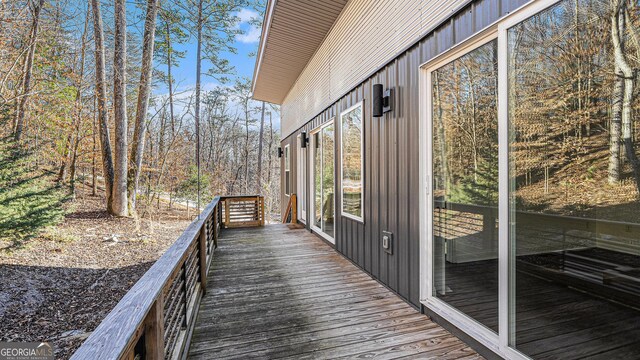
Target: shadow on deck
(274,292)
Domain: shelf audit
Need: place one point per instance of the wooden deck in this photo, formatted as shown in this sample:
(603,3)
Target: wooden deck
(553,321)
(274,292)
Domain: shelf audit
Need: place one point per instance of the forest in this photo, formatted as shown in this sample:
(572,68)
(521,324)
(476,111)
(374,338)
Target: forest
(573,114)
(89,89)
(576,126)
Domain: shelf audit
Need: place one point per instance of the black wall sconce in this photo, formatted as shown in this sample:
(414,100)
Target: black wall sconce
(279,152)
(304,139)
(382,100)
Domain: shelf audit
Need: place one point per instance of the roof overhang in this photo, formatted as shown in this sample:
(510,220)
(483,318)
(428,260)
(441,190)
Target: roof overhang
(292,31)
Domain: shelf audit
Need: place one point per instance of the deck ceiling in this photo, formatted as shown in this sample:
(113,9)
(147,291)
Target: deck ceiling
(291,33)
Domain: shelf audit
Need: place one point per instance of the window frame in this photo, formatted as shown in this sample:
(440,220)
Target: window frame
(301,181)
(287,170)
(342,212)
(500,343)
(458,318)
(506,237)
(311,167)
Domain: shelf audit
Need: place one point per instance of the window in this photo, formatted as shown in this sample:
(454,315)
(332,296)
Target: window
(575,176)
(287,170)
(352,161)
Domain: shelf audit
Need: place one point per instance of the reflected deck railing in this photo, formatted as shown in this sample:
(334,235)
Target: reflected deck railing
(155,319)
(549,245)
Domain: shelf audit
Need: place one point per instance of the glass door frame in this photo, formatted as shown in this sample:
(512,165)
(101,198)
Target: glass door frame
(456,317)
(500,342)
(301,183)
(507,239)
(312,183)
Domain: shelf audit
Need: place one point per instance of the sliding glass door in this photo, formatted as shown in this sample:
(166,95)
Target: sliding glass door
(575,207)
(530,166)
(464,164)
(323,184)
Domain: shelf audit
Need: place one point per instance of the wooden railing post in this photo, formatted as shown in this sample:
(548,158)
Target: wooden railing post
(185,293)
(154,331)
(219,217)
(216,214)
(203,258)
(294,208)
(227,212)
(261,200)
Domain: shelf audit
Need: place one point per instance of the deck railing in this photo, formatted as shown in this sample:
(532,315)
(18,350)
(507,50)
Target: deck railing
(155,319)
(550,246)
(243,211)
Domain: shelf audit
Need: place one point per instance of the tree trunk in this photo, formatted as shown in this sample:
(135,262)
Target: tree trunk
(616,104)
(246,146)
(162,153)
(120,205)
(442,148)
(624,75)
(143,99)
(198,75)
(94,171)
(170,80)
(259,175)
(26,83)
(270,150)
(103,115)
(615,129)
(62,174)
(74,161)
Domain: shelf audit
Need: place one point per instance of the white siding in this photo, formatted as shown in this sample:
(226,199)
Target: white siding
(292,32)
(366,35)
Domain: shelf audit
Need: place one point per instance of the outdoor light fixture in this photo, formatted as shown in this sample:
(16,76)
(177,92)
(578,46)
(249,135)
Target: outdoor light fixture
(304,139)
(382,100)
(279,152)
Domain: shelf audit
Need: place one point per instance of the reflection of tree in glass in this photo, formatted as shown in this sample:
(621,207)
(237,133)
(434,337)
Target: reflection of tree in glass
(465,127)
(352,161)
(573,100)
(480,188)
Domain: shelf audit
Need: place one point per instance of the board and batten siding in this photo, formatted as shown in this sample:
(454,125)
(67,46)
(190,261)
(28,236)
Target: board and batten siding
(391,146)
(366,35)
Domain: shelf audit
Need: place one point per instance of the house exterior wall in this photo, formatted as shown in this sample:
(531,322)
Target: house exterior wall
(391,143)
(366,35)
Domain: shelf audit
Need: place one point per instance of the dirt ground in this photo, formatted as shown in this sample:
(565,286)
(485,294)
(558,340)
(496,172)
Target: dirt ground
(61,285)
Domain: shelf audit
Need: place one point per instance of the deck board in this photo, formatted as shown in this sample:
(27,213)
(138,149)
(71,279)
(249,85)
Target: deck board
(553,321)
(275,292)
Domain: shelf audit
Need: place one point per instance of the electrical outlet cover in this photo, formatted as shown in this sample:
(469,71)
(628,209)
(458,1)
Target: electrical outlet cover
(389,248)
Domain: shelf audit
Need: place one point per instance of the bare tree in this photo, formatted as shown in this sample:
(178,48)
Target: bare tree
(101,94)
(120,205)
(67,155)
(143,99)
(622,125)
(260,141)
(28,70)
(199,25)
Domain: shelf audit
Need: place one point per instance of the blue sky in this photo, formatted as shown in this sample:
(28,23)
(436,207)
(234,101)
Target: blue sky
(184,75)
(247,43)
